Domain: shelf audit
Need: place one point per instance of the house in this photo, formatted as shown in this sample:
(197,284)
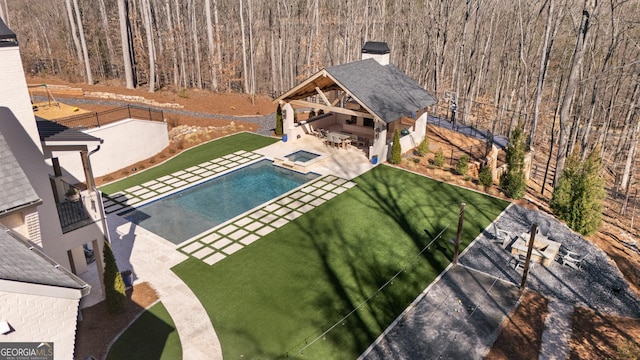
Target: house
(370,99)
(39,300)
(66,233)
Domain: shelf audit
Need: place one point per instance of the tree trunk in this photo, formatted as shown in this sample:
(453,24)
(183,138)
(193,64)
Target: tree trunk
(74,35)
(83,44)
(542,73)
(126,43)
(572,82)
(107,31)
(212,65)
(146,19)
(244,51)
(196,46)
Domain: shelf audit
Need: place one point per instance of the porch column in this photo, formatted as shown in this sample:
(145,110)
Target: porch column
(287,121)
(88,173)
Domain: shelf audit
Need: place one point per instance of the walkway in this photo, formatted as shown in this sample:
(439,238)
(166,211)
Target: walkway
(243,230)
(151,258)
(556,336)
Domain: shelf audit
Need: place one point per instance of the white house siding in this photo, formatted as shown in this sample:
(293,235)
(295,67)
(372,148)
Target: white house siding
(125,143)
(41,318)
(15,94)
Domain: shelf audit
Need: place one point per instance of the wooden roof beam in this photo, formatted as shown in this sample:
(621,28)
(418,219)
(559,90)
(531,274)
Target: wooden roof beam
(323,96)
(335,109)
(337,100)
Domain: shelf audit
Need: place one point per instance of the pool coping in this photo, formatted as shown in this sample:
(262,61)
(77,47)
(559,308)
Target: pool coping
(221,241)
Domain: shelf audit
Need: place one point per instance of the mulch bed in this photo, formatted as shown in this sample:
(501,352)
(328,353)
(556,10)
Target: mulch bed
(99,328)
(521,334)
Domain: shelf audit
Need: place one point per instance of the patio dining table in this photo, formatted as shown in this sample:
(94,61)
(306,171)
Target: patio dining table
(544,249)
(337,137)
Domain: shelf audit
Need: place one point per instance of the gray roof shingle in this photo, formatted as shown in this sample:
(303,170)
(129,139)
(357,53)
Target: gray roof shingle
(51,131)
(386,90)
(19,262)
(15,188)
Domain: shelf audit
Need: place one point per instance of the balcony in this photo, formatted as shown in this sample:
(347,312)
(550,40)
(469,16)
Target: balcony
(75,214)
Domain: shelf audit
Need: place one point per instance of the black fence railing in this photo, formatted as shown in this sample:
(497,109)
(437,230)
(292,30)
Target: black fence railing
(97,119)
(73,215)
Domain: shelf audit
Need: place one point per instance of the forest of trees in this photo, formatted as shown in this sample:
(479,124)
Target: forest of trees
(572,65)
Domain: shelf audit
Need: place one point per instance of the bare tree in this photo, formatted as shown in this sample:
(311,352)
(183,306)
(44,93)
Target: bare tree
(574,73)
(125,40)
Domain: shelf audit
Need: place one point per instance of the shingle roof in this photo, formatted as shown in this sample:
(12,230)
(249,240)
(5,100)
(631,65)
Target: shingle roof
(50,131)
(386,90)
(20,262)
(15,188)
(7,37)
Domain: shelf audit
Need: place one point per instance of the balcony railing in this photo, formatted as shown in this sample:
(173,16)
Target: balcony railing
(79,213)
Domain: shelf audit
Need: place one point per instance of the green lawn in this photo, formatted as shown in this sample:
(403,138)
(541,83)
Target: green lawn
(197,155)
(152,336)
(276,296)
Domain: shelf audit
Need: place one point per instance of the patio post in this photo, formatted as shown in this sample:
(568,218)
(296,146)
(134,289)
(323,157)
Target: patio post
(525,271)
(458,234)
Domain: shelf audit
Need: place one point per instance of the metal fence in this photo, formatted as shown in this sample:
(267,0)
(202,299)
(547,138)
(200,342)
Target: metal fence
(478,117)
(97,119)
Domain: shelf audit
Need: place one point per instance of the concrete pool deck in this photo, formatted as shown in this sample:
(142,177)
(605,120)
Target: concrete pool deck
(150,257)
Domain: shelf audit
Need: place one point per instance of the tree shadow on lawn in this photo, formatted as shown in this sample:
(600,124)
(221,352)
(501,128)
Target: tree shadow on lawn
(150,336)
(373,283)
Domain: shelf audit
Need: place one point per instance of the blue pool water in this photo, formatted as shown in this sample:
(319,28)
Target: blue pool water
(183,215)
(302,156)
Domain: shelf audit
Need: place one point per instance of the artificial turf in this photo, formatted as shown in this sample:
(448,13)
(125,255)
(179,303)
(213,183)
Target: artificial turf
(151,336)
(278,296)
(213,149)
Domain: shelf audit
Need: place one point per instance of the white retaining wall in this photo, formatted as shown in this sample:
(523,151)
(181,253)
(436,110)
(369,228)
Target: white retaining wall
(125,143)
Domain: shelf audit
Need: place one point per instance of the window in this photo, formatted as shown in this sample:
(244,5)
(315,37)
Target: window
(353,120)
(368,122)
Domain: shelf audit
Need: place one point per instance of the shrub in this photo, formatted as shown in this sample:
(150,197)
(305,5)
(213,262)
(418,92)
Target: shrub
(512,181)
(396,151)
(279,121)
(438,159)
(580,192)
(416,160)
(485,177)
(628,350)
(463,165)
(312,113)
(423,147)
(115,294)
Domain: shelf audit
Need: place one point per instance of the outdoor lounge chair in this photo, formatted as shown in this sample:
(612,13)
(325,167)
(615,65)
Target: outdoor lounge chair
(308,129)
(501,237)
(573,260)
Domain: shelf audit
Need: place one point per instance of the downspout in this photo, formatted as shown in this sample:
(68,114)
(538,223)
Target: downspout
(103,217)
(99,195)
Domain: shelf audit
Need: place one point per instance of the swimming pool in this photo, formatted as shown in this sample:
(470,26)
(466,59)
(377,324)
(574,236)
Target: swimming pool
(183,215)
(301,156)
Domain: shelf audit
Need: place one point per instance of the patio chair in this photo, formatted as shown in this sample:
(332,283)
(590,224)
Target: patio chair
(308,129)
(573,260)
(501,237)
(518,262)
